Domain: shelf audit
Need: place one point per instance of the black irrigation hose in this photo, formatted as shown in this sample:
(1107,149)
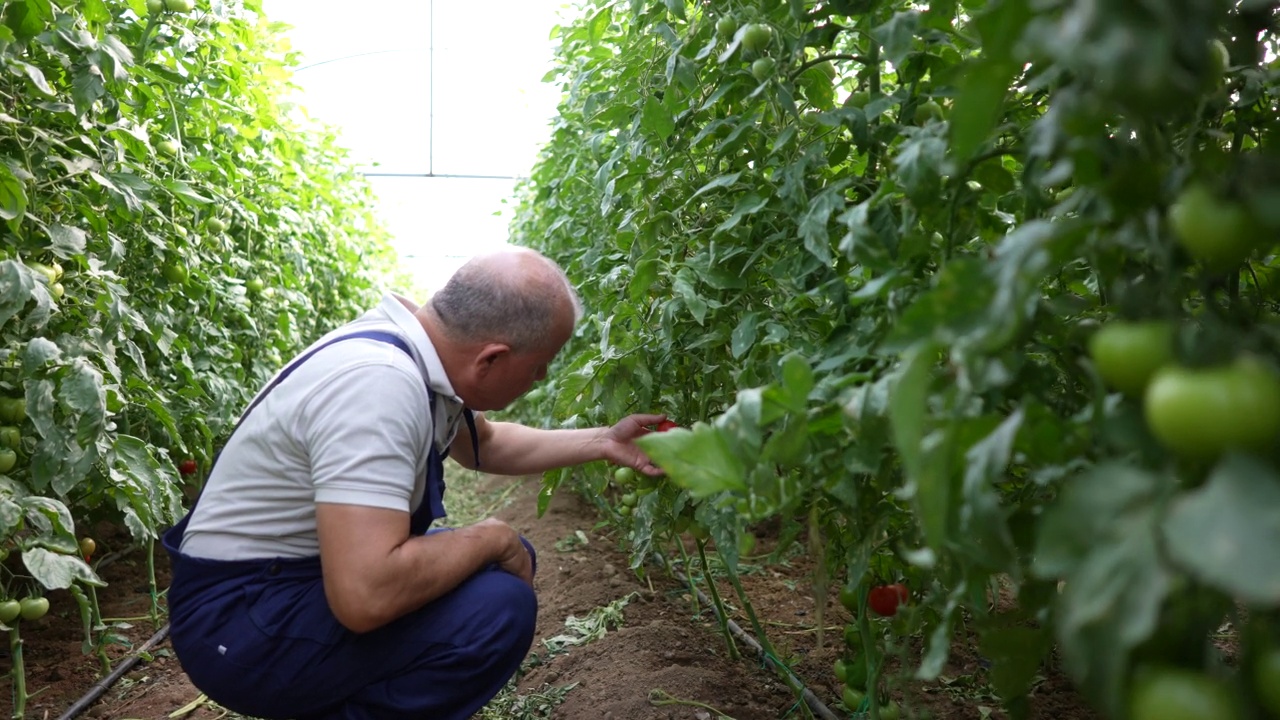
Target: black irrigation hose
(817,706)
(101,687)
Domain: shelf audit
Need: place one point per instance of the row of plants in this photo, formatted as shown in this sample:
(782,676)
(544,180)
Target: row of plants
(171,226)
(979,297)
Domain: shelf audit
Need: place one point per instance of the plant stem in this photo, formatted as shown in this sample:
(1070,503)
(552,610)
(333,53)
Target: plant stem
(721,614)
(18,672)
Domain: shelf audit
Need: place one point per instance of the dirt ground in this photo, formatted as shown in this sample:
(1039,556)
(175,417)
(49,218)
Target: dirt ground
(661,663)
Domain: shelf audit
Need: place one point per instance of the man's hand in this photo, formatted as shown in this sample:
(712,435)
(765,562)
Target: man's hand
(620,447)
(512,555)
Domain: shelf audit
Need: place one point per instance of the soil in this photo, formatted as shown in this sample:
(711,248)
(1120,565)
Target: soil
(664,662)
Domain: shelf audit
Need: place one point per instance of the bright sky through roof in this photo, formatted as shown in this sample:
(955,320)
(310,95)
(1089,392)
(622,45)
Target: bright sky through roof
(465,100)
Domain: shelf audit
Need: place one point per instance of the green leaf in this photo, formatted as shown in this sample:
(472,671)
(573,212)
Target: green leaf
(56,571)
(814,225)
(65,241)
(744,335)
(37,78)
(1015,654)
(1227,531)
(656,119)
(979,105)
(13,195)
(699,459)
(721,181)
(954,311)
(896,35)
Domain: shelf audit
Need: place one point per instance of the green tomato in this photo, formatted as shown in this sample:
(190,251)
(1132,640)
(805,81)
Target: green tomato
(629,499)
(624,475)
(13,410)
(852,698)
(841,670)
(1266,680)
(10,436)
(726,26)
(757,36)
(57,290)
(1219,60)
(1200,413)
(1178,694)
(9,611)
(180,6)
(858,99)
(47,272)
(1215,232)
(1127,353)
(8,458)
(175,273)
(746,543)
(33,608)
(849,598)
(625,511)
(167,147)
(926,111)
(216,226)
(762,69)
(255,285)
(155,6)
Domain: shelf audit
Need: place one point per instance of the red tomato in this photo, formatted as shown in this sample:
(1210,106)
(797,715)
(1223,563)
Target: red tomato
(187,467)
(666,425)
(884,600)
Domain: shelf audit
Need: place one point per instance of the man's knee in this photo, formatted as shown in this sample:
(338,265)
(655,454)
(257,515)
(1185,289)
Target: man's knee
(511,609)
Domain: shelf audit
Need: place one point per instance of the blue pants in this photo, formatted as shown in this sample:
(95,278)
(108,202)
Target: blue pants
(259,638)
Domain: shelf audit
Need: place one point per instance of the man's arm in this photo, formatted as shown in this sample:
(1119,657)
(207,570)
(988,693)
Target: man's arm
(375,571)
(514,449)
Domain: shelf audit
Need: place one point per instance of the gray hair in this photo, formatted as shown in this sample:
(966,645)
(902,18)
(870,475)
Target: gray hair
(513,298)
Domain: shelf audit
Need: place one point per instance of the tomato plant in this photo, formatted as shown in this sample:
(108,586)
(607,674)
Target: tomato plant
(960,291)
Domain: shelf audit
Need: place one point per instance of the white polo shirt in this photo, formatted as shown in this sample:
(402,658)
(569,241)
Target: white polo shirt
(350,425)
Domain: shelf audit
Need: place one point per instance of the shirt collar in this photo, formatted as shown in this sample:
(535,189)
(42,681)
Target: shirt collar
(428,358)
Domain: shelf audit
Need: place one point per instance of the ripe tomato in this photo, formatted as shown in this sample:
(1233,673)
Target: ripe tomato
(1200,413)
(33,608)
(8,458)
(9,611)
(87,547)
(1127,353)
(1178,694)
(624,475)
(1216,232)
(757,36)
(1266,680)
(10,436)
(187,467)
(884,600)
(762,69)
(666,425)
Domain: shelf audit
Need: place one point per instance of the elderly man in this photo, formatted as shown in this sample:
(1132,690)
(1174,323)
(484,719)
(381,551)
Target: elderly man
(305,581)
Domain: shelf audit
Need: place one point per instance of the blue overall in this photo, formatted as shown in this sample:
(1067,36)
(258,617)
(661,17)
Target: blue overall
(258,637)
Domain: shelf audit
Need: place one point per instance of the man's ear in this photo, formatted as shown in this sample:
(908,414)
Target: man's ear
(488,355)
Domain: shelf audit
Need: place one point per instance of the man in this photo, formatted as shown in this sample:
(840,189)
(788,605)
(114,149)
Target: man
(305,583)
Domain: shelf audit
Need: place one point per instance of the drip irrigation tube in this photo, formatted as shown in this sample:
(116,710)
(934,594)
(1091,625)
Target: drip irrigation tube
(101,687)
(818,707)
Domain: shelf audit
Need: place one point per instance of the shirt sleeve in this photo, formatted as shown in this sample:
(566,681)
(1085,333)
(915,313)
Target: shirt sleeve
(365,428)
